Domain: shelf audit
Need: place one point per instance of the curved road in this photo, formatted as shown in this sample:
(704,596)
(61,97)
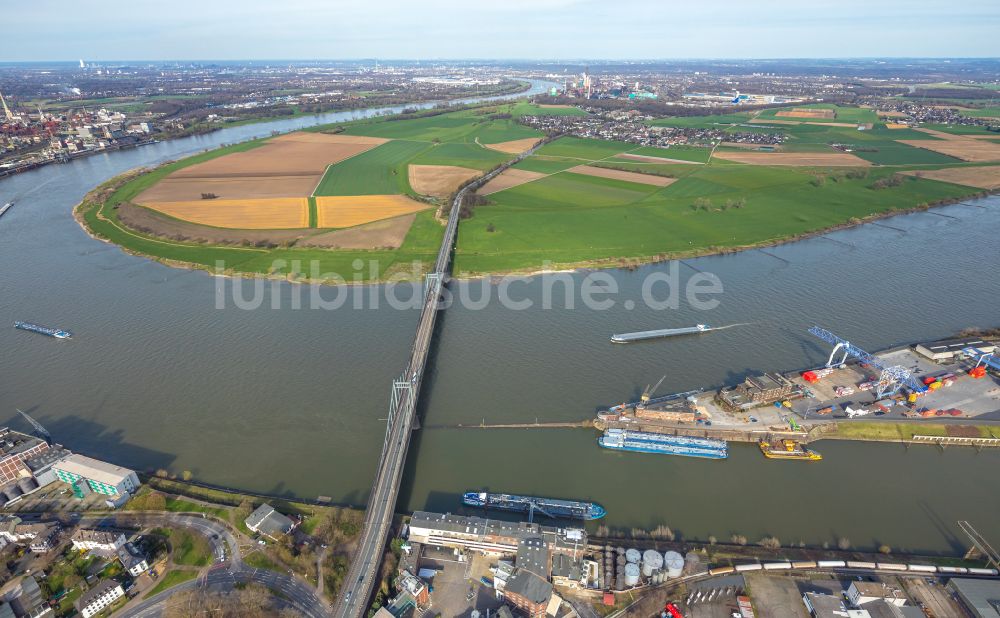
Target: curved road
(222,576)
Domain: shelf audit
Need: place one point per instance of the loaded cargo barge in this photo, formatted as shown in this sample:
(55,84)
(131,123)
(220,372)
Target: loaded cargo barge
(552,507)
(663,444)
(43,330)
(657,334)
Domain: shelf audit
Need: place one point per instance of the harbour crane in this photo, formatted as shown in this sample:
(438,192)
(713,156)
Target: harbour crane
(982,358)
(891,379)
(648,393)
(40,431)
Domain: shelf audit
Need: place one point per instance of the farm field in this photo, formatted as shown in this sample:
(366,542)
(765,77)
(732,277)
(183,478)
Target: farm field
(379,171)
(369,190)
(822,113)
(567,218)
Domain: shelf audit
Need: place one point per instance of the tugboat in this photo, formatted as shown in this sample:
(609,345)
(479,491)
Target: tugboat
(787,449)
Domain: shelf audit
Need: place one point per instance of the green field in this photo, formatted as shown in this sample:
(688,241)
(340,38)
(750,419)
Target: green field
(584,149)
(462,155)
(379,171)
(682,153)
(567,218)
(702,122)
(530,109)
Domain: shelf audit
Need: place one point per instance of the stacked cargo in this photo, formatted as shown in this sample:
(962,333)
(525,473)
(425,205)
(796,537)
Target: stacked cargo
(815,375)
(977,372)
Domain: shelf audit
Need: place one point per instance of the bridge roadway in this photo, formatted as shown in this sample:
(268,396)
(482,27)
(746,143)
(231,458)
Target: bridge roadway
(353,599)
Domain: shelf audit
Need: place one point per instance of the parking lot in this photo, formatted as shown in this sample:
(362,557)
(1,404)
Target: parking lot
(457,588)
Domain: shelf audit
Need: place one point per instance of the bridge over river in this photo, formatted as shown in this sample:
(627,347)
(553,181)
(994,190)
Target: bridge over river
(361,576)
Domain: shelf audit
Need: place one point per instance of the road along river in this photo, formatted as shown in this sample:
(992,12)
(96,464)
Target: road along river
(289,401)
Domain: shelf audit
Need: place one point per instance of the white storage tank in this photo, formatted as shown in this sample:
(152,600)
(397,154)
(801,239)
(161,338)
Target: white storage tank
(652,562)
(673,563)
(631,575)
(692,562)
(633,556)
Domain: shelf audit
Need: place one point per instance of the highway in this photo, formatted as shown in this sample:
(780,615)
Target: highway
(353,599)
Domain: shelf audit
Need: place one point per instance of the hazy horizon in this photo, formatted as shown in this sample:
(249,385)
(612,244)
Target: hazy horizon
(545,30)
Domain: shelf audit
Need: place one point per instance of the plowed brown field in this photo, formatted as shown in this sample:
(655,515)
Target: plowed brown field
(510,177)
(439,180)
(516,146)
(603,172)
(800,159)
(985,177)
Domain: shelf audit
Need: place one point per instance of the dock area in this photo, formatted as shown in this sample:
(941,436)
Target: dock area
(963,409)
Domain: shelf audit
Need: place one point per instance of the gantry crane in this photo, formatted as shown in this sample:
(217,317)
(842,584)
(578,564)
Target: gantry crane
(890,380)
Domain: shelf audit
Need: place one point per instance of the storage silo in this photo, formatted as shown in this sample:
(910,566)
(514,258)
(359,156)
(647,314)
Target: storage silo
(633,556)
(674,564)
(652,562)
(692,562)
(631,575)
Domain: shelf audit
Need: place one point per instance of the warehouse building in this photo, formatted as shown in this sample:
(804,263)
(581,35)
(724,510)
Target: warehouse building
(15,449)
(947,349)
(265,520)
(491,537)
(981,597)
(96,476)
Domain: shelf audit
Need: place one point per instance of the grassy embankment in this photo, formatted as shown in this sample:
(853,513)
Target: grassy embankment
(893,431)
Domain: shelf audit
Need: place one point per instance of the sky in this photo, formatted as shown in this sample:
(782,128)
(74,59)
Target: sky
(504,29)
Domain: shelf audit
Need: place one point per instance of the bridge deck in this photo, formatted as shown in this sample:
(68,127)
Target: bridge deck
(352,602)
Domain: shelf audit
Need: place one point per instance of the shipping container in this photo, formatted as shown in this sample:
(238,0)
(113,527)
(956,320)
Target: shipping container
(922,568)
(891,566)
(804,564)
(860,565)
(777,566)
(830,564)
(740,568)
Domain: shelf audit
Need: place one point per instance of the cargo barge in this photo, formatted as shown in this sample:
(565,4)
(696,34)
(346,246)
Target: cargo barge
(43,330)
(663,444)
(5,208)
(787,449)
(657,334)
(552,507)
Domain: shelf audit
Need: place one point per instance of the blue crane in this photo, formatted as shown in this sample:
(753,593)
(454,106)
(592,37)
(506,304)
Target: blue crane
(982,358)
(891,379)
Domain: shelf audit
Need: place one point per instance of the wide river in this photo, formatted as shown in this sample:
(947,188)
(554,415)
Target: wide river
(292,401)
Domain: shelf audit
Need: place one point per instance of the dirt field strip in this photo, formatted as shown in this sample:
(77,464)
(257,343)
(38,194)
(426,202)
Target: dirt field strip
(386,234)
(799,159)
(516,146)
(438,180)
(649,159)
(833,124)
(350,210)
(987,177)
(249,214)
(603,172)
(896,125)
(552,106)
(806,112)
(957,146)
(771,121)
(172,189)
(507,179)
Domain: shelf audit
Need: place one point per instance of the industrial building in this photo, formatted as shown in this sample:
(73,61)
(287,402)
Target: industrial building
(981,597)
(85,473)
(862,593)
(948,349)
(15,449)
(269,522)
(756,391)
(492,537)
(528,592)
(99,597)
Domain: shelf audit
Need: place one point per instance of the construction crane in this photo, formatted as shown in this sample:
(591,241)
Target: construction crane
(891,379)
(40,431)
(648,393)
